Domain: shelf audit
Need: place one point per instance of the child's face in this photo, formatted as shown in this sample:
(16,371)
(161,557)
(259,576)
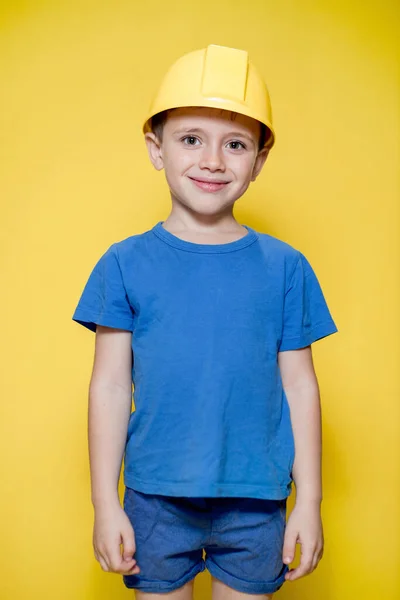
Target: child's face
(209,157)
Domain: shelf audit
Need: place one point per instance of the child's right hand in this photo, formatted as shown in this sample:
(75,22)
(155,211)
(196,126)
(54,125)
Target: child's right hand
(112,528)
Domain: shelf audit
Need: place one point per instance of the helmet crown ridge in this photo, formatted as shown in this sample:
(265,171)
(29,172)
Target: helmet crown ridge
(215,77)
(224,73)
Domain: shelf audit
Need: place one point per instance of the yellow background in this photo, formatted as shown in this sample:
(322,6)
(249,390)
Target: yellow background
(76,80)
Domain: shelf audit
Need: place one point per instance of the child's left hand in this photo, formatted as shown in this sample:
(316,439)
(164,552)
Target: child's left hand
(304,526)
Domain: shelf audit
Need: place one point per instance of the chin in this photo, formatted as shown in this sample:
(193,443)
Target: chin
(208,207)
(202,203)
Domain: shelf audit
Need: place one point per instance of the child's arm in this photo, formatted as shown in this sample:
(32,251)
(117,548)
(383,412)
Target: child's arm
(304,525)
(110,400)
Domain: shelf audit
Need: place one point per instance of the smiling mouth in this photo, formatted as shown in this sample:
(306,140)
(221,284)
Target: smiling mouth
(209,185)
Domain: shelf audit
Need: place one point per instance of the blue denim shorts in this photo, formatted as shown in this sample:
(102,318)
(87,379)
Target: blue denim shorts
(242,540)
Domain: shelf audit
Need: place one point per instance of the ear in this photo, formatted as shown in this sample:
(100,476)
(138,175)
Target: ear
(259,163)
(154,149)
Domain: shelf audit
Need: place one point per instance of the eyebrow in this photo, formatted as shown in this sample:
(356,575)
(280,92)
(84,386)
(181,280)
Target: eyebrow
(199,130)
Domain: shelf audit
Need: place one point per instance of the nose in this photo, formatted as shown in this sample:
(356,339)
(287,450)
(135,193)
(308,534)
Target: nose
(212,158)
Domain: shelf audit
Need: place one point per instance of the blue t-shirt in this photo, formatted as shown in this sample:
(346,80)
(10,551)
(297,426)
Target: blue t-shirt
(207,320)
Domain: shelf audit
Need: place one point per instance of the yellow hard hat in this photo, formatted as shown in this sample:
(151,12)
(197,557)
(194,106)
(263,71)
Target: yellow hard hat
(215,77)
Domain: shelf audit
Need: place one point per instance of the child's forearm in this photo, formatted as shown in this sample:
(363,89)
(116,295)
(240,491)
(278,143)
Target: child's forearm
(305,414)
(109,411)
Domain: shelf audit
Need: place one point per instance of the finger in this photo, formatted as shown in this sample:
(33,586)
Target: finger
(128,566)
(116,564)
(96,554)
(317,557)
(304,567)
(289,546)
(114,558)
(103,563)
(134,571)
(130,561)
(119,565)
(315,562)
(128,543)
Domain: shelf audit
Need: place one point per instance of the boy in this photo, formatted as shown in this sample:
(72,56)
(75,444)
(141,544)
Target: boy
(213,323)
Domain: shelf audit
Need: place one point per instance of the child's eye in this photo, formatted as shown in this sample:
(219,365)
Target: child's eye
(190,140)
(236,145)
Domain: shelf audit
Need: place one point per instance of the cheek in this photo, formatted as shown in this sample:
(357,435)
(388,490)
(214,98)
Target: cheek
(175,167)
(243,167)
(177,163)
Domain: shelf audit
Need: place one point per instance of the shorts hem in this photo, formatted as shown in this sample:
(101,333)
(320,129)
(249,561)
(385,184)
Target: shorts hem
(153,586)
(245,586)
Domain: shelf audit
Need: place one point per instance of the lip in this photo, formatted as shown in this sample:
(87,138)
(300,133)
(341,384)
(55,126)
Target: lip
(209,185)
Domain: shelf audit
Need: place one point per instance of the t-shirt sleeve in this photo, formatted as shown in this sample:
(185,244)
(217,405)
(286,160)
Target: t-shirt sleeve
(306,316)
(104,300)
